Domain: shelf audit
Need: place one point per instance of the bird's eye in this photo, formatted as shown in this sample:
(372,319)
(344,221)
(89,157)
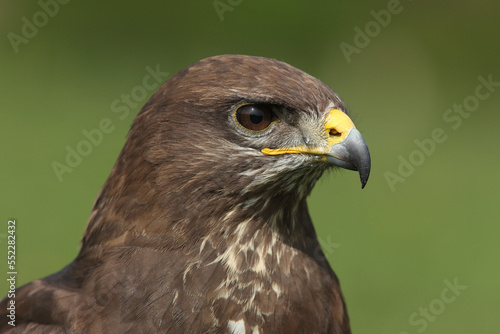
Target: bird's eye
(255,117)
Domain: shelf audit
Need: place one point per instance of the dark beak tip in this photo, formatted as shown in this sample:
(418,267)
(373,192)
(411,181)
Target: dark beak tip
(364,170)
(363,183)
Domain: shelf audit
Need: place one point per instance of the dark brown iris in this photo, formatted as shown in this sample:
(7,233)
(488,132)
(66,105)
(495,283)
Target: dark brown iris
(255,117)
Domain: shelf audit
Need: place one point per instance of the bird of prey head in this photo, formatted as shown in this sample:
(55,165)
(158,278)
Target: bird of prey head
(202,226)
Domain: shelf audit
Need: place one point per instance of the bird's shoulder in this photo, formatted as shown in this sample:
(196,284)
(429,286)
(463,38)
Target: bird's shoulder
(41,306)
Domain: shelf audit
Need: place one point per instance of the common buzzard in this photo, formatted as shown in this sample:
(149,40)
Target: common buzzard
(203,226)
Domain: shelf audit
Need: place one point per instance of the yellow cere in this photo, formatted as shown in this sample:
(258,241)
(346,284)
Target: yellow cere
(337,121)
(337,127)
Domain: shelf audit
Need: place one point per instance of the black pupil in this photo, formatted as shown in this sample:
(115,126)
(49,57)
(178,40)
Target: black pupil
(256,116)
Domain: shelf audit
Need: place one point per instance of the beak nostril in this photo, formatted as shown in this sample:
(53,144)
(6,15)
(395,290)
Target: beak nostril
(334,133)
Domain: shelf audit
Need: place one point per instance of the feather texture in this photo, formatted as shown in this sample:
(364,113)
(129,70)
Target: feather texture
(195,230)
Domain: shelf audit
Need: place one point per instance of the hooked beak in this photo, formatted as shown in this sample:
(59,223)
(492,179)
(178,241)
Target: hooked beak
(353,154)
(345,147)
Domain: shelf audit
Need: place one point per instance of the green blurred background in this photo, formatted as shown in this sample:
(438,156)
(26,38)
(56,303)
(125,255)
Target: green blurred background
(393,247)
